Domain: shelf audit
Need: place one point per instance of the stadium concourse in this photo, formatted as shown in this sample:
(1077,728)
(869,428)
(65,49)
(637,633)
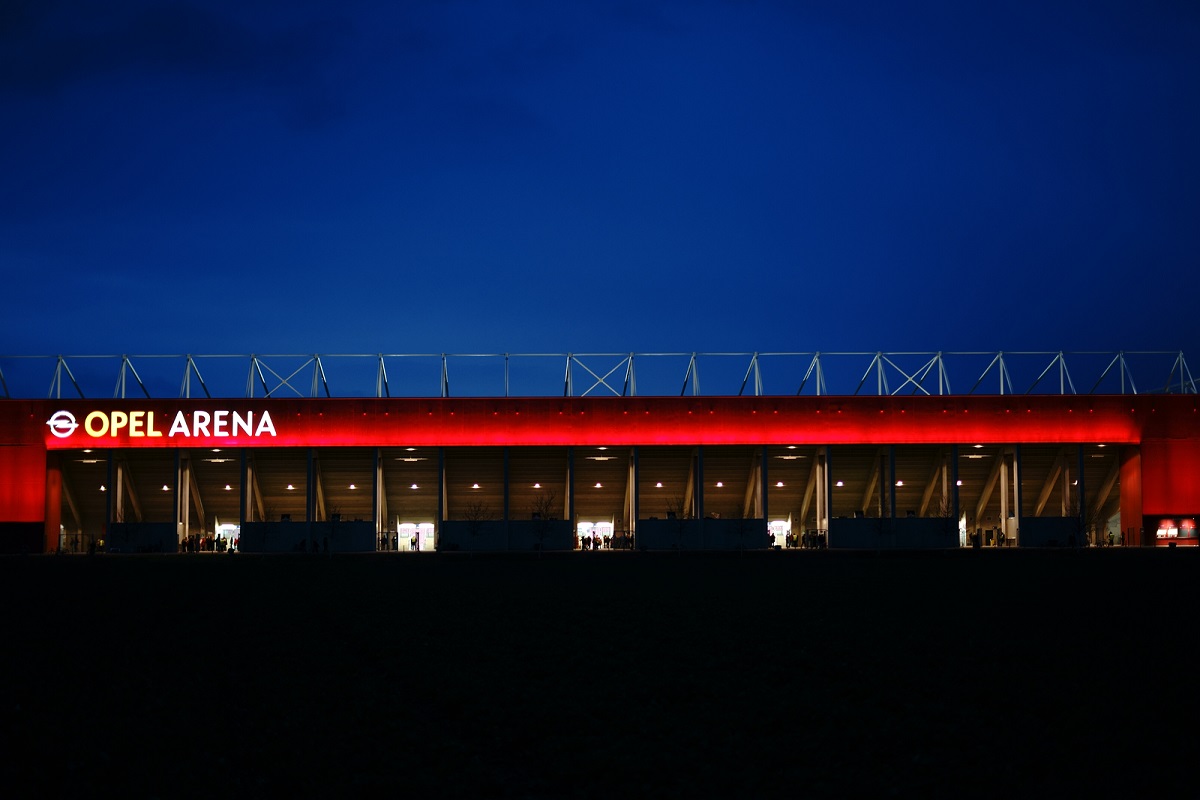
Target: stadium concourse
(586,461)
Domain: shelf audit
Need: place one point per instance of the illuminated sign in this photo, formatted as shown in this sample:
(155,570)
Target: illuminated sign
(62,424)
(144,424)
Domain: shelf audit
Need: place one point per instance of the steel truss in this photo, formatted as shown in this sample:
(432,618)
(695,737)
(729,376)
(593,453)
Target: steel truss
(607,374)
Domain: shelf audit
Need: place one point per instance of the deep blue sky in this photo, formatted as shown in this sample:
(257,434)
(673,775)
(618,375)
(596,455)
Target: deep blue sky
(548,177)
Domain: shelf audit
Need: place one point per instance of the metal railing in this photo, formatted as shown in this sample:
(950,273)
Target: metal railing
(589,374)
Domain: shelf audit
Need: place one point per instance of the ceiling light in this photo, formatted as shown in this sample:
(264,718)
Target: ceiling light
(166,488)
(410,449)
(290,487)
(778,484)
(839,483)
(899,483)
(352,486)
(791,447)
(414,486)
(228,488)
(598,486)
(102,488)
(720,485)
(537,486)
(978,447)
(474,485)
(658,485)
(88,450)
(958,483)
(216,449)
(605,448)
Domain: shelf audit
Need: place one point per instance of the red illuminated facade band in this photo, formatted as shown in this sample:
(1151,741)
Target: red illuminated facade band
(452,422)
(1158,435)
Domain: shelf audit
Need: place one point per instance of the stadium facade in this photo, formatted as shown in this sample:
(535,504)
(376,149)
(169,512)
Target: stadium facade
(909,465)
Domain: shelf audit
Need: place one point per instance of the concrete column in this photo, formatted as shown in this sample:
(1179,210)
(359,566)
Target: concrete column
(1131,498)
(53,508)
(244,490)
(1004,495)
(763,491)
(1016,482)
(183,493)
(636,495)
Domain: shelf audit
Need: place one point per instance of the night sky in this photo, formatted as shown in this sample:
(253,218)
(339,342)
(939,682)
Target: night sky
(358,177)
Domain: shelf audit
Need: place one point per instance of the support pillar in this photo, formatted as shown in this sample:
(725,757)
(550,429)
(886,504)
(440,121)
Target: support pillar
(636,500)
(954,487)
(441,506)
(1003,529)
(763,489)
(244,491)
(891,481)
(571,489)
(183,495)
(377,495)
(53,509)
(1016,479)
(1131,497)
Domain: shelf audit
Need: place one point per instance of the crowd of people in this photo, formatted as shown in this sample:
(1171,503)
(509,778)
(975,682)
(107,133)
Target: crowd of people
(208,544)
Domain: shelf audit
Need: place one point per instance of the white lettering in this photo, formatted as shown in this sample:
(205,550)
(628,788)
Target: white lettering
(137,420)
(265,424)
(179,425)
(200,423)
(243,423)
(150,429)
(220,423)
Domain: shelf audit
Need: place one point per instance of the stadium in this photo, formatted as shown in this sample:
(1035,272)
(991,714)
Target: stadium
(601,451)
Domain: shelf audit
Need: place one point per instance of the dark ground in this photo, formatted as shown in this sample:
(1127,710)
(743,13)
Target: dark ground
(597,674)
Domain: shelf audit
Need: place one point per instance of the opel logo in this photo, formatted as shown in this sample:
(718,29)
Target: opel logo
(62,424)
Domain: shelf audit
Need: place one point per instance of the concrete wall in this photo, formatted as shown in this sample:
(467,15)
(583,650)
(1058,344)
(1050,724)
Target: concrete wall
(1051,532)
(141,537)
(900,533)
(496,535)
(299,537)
(702,534)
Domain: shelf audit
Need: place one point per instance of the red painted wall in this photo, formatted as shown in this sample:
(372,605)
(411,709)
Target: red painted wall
(22,461)
(1167,428)
(657,420)
(1170,476)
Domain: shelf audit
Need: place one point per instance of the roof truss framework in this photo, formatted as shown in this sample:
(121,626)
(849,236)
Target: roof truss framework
(880,373)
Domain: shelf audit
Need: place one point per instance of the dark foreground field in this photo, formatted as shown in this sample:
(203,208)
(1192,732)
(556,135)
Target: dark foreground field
(590,675)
